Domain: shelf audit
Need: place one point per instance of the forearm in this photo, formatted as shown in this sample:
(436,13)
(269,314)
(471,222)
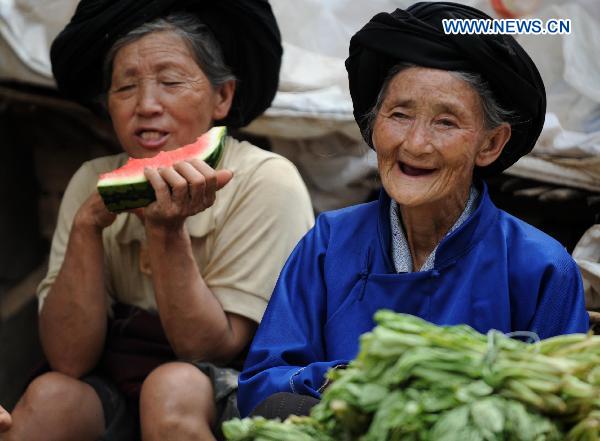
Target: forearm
(192,317)
(73,319)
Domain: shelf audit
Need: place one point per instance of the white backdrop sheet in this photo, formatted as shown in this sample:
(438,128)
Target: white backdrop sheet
(313,100)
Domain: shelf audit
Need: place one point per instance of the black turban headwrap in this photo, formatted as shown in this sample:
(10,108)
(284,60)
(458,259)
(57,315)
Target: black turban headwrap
(416,36)
(245,29)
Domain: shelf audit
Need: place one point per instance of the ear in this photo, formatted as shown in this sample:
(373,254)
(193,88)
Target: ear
(224,98)
(493,145)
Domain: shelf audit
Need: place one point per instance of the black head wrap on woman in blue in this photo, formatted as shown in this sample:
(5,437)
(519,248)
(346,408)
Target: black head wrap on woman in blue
(416,36)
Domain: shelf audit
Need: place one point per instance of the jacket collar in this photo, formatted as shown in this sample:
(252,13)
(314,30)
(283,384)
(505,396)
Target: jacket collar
(455,244)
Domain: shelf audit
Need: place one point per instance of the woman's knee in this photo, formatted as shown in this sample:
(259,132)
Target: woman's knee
(176,396)
(53,402)
(53,390)
(177,379)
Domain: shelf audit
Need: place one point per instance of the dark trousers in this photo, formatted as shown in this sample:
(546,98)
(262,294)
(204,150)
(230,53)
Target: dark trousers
(283,404)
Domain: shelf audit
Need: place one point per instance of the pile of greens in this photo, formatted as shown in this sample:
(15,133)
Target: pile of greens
(413,380)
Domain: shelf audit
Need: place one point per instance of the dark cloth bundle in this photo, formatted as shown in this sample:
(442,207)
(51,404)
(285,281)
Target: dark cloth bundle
(416,36)
(245,29)
(136,344)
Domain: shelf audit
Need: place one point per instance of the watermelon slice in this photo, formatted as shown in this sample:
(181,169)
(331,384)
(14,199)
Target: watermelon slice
(127,187)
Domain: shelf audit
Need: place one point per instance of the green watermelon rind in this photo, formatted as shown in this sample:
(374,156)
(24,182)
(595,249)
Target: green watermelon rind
(139,193)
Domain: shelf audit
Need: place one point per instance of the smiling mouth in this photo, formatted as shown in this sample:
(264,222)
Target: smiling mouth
(414,171)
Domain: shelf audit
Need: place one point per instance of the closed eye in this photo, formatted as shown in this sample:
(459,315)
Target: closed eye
(125,87)
(447,122)
(399,115)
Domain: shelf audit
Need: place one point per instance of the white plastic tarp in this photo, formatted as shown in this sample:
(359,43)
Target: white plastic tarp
(313,82)
(587,256)
(567,150)
(27,28)
(313,101)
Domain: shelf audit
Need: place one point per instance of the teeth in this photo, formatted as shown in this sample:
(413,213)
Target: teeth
(150,135)
(414,171)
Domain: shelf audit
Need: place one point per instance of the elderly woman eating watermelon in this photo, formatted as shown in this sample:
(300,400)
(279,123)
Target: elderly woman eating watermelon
(144,316)
(442,112)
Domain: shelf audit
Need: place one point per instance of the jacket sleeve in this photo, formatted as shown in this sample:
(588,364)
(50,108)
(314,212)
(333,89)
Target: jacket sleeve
(287,354)
(561,303)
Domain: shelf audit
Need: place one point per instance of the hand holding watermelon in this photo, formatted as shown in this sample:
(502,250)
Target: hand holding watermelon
(182,190)
(127,187)
(94,214)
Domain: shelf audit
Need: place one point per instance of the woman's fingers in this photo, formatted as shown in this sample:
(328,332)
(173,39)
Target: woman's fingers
(161,188)
(223,177)
(5,420)
(187,187)
(177,183)
(198,183)
(210,176)
(94,213)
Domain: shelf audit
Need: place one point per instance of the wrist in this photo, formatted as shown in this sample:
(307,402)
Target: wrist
(86,226)
(165,232)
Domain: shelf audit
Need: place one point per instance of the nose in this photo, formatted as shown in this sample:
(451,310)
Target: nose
(418,139)
(148,102)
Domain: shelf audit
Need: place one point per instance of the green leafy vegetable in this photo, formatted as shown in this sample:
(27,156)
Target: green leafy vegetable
(416,381)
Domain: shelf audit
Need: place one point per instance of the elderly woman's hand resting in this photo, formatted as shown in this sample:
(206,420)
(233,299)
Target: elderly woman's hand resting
(183,190)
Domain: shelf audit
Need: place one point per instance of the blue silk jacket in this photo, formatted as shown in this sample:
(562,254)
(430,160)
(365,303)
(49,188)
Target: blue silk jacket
(493,272)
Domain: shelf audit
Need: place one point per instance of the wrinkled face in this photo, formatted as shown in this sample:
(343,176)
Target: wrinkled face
(159,97)
(428,135)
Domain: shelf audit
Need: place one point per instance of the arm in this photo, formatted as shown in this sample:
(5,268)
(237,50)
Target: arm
(287,354)
(72,321)
(265,213)
(193,319)
(195,323)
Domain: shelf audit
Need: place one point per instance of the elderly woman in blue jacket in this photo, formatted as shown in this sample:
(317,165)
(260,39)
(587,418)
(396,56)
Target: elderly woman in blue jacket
(441,111)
